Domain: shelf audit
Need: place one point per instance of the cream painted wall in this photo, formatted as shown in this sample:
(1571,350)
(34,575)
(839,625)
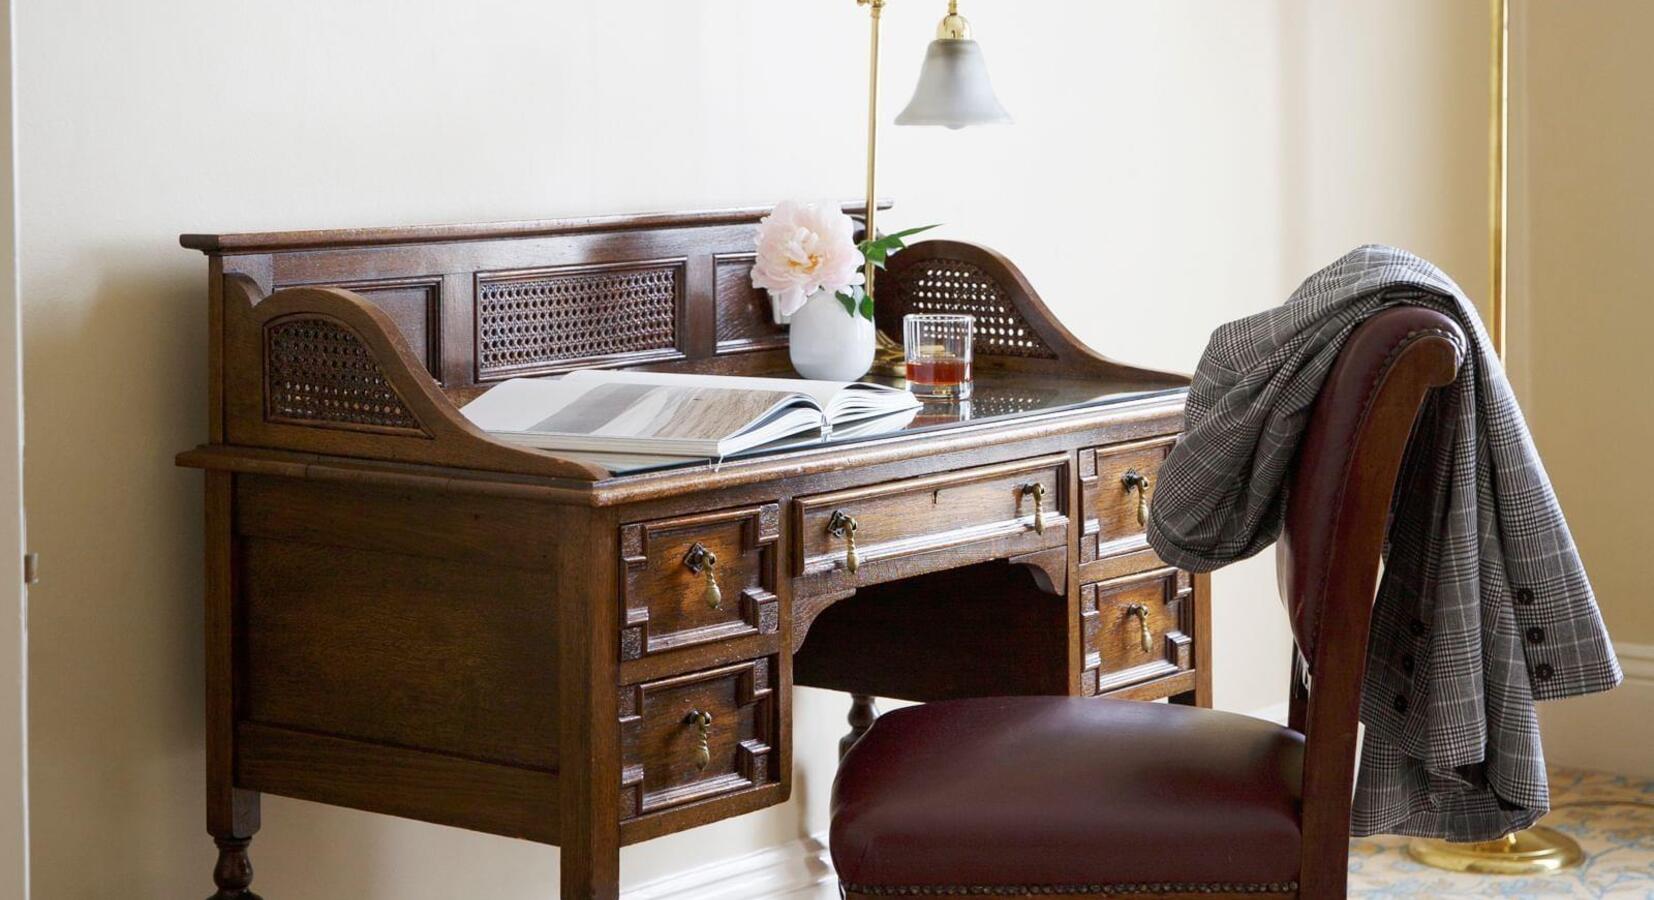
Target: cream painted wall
(1582,301)
(1176,164)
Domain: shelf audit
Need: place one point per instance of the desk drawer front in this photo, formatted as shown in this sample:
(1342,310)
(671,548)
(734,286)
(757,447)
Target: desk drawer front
(699,579)
(1116,484)
(697,736)
(896,522)
(1114,616)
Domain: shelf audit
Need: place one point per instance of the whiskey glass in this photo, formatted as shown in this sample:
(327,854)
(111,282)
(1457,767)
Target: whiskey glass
(938,348)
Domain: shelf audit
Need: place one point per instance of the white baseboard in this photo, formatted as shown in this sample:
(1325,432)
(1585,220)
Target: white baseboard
(800,869)
(1611,732)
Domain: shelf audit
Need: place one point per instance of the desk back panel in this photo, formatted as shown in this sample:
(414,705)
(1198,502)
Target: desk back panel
(479,304)
(364,342)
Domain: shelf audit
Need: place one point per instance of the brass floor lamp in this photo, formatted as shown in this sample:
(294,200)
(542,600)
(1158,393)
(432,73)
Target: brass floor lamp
(1539,849)
(954,92)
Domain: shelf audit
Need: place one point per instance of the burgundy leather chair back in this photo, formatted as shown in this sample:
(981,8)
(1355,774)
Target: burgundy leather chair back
(1337,514)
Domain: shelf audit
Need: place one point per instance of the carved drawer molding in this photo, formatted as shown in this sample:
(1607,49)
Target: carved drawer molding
(671,565)
(671,755)
(1116,486)
(933,522)
(1113,618)
(318,372)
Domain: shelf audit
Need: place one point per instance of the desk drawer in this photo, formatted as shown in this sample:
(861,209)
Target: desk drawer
(672,567)
(989,511)
(1116,484)
(1113,617)
(698,736)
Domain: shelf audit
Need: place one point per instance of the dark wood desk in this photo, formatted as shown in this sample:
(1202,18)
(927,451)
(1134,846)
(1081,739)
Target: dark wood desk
(408,617)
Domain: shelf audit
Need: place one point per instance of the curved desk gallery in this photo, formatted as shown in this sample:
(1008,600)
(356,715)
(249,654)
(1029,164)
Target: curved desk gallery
(408,617)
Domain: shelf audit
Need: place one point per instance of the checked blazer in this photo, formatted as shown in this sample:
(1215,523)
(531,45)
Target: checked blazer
(1484,606)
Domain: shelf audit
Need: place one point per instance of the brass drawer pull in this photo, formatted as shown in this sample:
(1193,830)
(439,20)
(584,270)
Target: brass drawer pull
(703,748)
(1038,492)
(1134,480)
(698,560)
(1142,614)
(843,525)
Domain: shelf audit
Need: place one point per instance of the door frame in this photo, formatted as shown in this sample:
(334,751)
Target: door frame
(14,725)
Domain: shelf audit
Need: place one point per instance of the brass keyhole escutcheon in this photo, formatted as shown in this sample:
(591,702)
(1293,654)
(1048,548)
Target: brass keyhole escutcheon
(1134,480)
(702,722)
(843,525)
(1037,490)
(1142,614)
(701,560)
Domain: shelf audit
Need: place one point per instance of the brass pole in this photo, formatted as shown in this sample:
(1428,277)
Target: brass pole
(1499,174)
(1537,850)
(872,131)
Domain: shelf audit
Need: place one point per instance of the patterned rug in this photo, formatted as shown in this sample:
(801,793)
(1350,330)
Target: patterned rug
(1594,808)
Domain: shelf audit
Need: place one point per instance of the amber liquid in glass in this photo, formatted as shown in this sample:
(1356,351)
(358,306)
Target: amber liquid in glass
(938,376)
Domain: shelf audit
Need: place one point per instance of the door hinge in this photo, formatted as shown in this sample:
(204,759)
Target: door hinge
(31,568)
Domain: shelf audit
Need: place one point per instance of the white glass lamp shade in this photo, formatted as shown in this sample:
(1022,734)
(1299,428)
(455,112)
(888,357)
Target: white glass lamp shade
(954,89)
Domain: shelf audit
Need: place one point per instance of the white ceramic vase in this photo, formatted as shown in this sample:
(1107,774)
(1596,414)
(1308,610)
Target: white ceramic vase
(828,343)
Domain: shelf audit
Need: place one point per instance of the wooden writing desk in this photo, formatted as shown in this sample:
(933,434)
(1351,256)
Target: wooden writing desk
(408,617)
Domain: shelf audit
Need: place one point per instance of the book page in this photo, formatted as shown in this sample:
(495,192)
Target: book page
(842,401)
(624,411)
(822,392)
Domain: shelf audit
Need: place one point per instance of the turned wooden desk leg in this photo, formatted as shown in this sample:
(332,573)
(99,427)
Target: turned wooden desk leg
(863,713)
(234,872)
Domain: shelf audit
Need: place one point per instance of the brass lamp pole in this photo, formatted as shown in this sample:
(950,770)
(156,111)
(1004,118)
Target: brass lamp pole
(876,8)
(1537,850)
(953,92)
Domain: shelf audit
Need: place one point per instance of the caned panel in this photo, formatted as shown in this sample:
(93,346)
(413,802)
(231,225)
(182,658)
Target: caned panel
(553,320)
(958,287)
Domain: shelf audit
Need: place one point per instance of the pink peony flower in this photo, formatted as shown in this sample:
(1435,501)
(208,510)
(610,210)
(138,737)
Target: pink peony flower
(804,248)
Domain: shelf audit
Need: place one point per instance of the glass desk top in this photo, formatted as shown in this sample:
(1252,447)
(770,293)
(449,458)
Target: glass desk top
(997,396)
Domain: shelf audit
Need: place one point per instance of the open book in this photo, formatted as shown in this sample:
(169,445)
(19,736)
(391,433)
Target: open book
(673,414)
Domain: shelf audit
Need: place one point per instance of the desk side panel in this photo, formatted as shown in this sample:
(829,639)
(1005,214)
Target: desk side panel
(406,638)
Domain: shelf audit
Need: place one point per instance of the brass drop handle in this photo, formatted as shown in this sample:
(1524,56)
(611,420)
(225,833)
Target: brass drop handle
(1134,480)
(843,525)
(1038,492)
(702,721)
(1142,614)
(698,560)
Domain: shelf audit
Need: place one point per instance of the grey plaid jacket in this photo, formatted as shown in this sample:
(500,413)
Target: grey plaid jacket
(1483,607)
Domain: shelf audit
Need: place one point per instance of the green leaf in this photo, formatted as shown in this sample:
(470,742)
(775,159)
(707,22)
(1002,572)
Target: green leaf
(913,231)
(848,300)
(867,307)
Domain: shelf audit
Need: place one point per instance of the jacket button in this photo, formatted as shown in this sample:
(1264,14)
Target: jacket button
(1401,703)
(1536,635)
(1407,663)
(1524,596)
(1543,671)
(1416,627)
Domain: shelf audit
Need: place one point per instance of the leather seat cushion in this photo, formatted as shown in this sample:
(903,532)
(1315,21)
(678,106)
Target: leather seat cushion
(1060,791)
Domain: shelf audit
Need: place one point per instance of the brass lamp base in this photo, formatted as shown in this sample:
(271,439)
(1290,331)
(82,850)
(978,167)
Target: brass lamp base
(1536,851)
(889,359)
